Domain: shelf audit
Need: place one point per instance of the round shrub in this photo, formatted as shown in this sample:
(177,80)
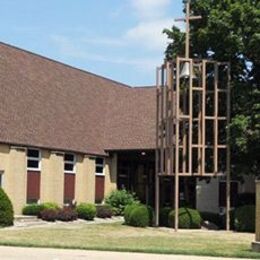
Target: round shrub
(164,216)
(50,205)
(139,216)
(86,211)
(49,215)
(67,214)
(6,210)
(245,218)
(119,199)
(32,209)
(151,215)
(104,211)
(127,212)
(188,218)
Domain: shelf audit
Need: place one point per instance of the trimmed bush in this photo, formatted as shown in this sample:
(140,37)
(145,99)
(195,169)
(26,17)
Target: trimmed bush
(245,219)
(104,211)
(188,218)
(164,216)
(67,214)
(151,215)
(6,210)
(86,211)
(139,216)
(119,199)
(50,205)
(49,215)
(127,212)
(32,209)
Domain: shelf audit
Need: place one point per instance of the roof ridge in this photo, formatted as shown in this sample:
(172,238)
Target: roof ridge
(64,64)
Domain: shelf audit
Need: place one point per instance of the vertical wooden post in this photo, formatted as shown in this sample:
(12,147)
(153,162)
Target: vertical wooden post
(176,202)
(215,117)
(157,183)
(228,152)
(190,115)
(204,64)
(256,243)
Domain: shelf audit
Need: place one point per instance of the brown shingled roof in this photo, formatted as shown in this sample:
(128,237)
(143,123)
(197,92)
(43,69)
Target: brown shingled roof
(48,104)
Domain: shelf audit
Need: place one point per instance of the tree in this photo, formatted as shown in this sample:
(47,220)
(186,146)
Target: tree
(230,31)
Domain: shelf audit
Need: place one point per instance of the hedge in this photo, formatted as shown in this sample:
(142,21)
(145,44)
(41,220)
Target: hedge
(6,210)
(244,219)
(104,211)
(188,218)
(86,211)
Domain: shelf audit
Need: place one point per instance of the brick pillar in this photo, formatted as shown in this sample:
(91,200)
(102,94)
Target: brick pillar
(256,244)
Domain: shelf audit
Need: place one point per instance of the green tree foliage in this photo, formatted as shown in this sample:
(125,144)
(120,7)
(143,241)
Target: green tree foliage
(230,31)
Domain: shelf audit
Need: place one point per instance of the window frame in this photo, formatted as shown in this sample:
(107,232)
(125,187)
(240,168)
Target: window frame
(70,162)
(100,165)
(38,159)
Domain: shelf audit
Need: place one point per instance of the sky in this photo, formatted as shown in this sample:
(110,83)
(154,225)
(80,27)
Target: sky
(118,39)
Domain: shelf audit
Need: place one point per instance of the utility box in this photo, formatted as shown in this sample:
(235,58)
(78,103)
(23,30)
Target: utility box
(256,244)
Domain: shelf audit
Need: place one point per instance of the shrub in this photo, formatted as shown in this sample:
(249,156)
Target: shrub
(104,211)
(49,215)
(6,210)
(119,199)
(188,218)
(50,205)
(245,218)
(86,211)
(164,216)
(67,214)
(151,215)
(139,216)
(32,209)
(127,212)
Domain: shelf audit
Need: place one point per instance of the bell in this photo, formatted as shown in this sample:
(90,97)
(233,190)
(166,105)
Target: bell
(185,71)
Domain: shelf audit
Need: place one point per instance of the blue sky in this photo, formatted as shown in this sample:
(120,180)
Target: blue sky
(118,39)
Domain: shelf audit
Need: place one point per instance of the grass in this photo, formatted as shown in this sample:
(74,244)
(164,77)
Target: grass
(118,237)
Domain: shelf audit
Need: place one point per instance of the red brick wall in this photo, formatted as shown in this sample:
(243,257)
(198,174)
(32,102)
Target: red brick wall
(33,186)
(100,189)
(69,187)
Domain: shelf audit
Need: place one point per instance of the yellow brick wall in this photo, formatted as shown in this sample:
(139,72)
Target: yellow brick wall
(258,211)
(52,177)
(85,179)
(13,162)
(110,174)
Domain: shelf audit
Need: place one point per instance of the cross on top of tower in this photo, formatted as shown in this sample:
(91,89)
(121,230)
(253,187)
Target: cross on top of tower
(187,19)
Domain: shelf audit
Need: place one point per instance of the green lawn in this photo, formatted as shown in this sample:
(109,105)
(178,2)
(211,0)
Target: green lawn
(118,237)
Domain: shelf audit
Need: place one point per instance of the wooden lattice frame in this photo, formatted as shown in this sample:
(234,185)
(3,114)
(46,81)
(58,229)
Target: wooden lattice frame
(176,123)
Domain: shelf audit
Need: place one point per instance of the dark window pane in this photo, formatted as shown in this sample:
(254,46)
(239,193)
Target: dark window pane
(69,157)
(99,169)
(33,153)
(33,164)
(68,167)
(0,180)
(99,160)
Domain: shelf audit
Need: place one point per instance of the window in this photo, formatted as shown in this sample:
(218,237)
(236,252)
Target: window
(99,166)
(69,163)
(33,159)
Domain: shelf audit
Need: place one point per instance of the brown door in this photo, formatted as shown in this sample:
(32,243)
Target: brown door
(69,187)
(33,186)
(100,189)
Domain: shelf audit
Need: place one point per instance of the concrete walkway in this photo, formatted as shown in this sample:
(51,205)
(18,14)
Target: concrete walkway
(20,253)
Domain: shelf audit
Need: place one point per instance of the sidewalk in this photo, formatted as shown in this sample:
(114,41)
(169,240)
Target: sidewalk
(20,253)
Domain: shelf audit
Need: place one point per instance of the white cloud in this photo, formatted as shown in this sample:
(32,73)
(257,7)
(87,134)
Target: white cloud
(149,34)
(150,9)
